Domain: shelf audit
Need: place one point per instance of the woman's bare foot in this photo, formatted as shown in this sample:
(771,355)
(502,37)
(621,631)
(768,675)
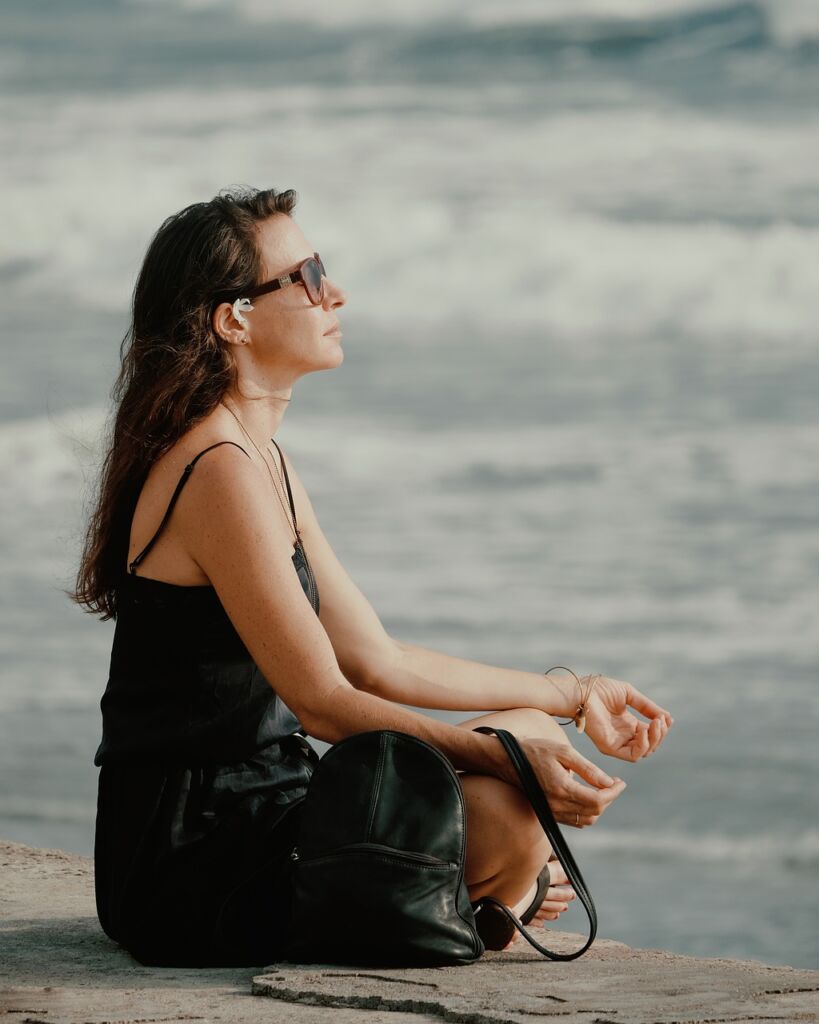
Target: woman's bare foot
(556,901)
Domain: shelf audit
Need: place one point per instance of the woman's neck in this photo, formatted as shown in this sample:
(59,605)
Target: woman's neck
(260,417)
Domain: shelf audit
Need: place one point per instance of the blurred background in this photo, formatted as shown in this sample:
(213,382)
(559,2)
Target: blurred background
(576,420)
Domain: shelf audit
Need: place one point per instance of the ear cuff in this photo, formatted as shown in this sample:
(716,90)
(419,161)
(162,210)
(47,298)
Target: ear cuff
(240,307)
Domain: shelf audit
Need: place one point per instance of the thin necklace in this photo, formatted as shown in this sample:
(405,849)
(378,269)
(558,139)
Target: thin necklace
(272,478)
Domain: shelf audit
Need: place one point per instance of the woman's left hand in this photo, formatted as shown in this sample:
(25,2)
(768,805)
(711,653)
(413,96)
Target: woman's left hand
(614,730)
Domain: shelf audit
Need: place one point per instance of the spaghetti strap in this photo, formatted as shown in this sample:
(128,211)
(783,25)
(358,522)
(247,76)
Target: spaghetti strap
(289,492)
(182,481)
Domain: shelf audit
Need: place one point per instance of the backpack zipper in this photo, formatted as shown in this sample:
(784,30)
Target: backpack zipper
(424,858)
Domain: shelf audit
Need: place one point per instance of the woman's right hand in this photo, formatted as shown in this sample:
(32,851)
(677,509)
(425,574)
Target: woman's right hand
(571,802)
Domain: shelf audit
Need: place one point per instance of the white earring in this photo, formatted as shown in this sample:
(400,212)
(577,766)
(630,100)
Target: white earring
(241,306)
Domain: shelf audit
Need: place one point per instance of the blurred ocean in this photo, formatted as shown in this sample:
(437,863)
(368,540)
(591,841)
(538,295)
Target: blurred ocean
(576,422)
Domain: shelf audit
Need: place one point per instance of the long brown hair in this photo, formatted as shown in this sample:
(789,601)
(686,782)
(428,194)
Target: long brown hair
(175,368)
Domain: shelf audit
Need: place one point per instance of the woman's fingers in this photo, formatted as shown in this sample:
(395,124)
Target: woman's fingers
(586,769)
(640,742)
(648,736)
(587,802)
(656,733)
(644,739)
(577,817)
(646,706)
(603,787)
(570,800)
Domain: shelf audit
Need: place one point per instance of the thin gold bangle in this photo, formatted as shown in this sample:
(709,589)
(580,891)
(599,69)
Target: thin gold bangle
(546,673)
(580,720)
(579,717)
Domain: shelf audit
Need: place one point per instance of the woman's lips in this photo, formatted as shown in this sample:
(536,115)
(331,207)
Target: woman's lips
(336,329)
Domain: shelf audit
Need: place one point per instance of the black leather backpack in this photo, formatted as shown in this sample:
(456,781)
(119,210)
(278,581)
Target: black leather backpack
(378,868)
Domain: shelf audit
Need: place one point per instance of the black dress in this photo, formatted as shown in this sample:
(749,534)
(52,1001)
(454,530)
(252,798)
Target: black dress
(202,778)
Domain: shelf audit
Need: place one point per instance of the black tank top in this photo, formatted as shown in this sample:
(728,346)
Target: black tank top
(182,685)
(299,556)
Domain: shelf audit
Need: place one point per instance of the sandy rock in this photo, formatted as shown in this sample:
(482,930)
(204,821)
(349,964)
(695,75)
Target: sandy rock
(58,967)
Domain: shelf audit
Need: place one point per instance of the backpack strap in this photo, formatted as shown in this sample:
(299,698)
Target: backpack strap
(540,803)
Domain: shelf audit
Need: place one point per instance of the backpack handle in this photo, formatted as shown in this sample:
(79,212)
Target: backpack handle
(538,800)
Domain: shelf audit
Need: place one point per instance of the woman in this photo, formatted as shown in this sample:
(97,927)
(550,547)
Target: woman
(238,632)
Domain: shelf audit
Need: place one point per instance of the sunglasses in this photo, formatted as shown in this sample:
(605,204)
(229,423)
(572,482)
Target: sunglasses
(311,273)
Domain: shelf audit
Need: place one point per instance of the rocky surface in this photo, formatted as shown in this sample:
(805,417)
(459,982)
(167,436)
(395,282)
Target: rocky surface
(58,967)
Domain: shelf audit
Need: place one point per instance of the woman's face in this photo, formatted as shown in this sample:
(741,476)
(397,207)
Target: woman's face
(285,329)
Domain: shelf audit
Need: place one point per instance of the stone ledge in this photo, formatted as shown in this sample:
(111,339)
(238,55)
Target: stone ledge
(58,967)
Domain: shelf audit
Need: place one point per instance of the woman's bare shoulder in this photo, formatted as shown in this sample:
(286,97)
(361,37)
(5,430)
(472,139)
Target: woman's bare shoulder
(170,559)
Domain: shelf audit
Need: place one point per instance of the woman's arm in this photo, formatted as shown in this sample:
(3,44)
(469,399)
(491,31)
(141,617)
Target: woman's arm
(376,663)
(225,520)
(430,679)
(224,517)
(404,673)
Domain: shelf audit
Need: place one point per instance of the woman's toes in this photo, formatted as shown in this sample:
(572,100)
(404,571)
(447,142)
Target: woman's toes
(560,893)
(557,904)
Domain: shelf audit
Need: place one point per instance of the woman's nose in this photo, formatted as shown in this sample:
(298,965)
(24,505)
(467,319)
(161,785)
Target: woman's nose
(334,293)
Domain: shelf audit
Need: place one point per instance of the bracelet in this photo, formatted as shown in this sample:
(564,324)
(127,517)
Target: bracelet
(579,717)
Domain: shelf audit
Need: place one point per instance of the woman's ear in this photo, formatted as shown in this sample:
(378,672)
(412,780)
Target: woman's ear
(229,321)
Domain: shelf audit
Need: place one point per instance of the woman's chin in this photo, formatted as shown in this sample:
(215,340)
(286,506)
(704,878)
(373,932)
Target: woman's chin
(334,353)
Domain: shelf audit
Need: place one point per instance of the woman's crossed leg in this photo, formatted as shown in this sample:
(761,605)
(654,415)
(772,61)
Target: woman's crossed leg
(506,846)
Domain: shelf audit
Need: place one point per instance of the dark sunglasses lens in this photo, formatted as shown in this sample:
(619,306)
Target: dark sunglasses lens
(312,272)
